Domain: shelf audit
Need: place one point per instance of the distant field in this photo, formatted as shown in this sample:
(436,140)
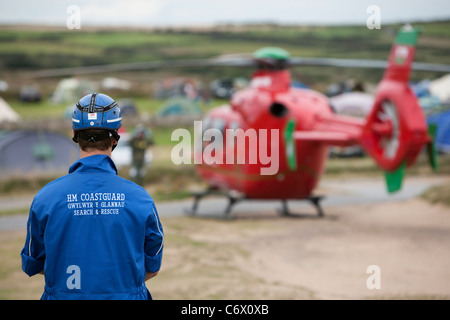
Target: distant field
(51,48)
(31,48)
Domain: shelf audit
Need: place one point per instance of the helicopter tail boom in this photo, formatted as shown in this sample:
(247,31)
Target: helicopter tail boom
(395,131)
(334,130)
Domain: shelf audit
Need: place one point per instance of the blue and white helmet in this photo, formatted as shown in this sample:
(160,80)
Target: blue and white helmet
(96,111)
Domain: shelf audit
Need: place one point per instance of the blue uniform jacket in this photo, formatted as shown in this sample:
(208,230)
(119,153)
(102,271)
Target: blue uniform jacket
(94,234)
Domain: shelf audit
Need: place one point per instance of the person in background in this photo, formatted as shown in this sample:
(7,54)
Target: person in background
(141,139)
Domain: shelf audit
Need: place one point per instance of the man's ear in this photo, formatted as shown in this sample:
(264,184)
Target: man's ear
(114,143)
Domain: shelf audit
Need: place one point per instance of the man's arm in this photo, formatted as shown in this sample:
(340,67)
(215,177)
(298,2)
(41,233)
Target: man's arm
(154,243)
(33,252)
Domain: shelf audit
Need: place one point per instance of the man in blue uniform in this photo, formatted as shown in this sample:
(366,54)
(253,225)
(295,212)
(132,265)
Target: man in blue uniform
(93,234)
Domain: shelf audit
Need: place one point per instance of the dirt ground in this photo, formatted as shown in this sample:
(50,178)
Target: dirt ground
(267,257)
(263,256)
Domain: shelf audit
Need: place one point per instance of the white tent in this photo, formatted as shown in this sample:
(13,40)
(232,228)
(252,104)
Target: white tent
(7,114)
(356,104)
(441,88)
(70,90)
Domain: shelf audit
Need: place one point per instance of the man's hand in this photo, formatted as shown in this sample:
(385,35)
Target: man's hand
(150,275)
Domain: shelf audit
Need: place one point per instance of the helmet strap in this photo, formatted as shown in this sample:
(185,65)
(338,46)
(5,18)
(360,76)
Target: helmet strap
(116,137)
(91,107)
(94,137)
(75,136)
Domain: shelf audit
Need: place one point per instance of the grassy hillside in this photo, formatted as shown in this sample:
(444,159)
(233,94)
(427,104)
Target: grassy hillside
(31,48)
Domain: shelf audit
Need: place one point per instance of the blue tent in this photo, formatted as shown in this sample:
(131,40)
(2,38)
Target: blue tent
(442,120)
(179,106)
(25,151)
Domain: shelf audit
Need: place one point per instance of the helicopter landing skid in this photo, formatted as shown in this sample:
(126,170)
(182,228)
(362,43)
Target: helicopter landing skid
(233,198)
(315,201)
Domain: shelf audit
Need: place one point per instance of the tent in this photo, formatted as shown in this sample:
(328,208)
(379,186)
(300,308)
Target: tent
(25,151)
(7,114)
(70,90)
(442,120)
(179,106)
(441,88)
(356,104)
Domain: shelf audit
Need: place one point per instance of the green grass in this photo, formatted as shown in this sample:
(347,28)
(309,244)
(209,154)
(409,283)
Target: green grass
(32,48)
(46,109)
(438,195)
(38,48)
(38,110)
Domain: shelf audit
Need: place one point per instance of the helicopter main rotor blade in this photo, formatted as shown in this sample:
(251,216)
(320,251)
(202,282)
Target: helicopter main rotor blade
(226,62)
(146,65)
(362,63)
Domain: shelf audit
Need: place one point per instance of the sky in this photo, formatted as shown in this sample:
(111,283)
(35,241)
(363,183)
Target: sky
(150,13)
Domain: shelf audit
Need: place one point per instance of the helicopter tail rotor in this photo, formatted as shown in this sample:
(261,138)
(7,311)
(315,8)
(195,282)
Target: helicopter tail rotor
(431,147)
(396,131)
(394,178)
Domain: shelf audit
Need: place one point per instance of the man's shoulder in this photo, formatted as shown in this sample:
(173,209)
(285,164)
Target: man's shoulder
(117,183)
(50,190)
(57,185)
(133,188)
(54,185)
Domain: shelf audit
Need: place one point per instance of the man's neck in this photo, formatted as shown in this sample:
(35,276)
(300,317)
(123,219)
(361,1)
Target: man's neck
(93,152)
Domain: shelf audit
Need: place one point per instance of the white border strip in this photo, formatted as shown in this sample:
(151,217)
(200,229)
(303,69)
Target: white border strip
(157,224)
(114,120)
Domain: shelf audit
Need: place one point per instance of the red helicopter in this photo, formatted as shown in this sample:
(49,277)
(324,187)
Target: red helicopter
(394,133)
